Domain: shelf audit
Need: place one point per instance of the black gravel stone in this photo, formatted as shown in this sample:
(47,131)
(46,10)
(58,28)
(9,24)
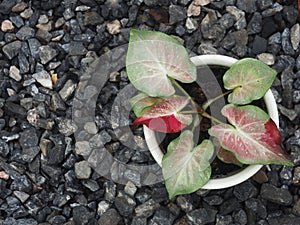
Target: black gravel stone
(277,195)
(111,217)
(177,13)
(6,6)
(25,33)
(286,42)
(249,6)
(255,24)
(259,45)
(12,49)
(290,14)
(82,215)
(162,216)
(125,205)
(286,220)
(245,191)
(201,216)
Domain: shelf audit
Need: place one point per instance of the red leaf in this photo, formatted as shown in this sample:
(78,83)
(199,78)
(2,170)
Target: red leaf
(166,124)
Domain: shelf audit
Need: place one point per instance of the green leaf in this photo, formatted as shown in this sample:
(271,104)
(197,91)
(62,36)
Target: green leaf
(152,58)
(249,79)
(186,168)
(253,137)
(141,102)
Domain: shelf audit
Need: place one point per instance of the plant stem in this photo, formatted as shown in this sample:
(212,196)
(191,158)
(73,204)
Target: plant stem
(199,110)
(213,119)
(210,101)
(181,89)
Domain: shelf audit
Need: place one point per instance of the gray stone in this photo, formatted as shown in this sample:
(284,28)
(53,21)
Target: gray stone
(191,24)
(110,191)
(125,205)
(77,48)
(227,21)
(25,33)
(130,188)
(213,200)
(139,221)
(245,191)
(177,13)
(277,195)
(17,21)
(162,216)
(184,203)
(296,96)
(47,53)
(240,217)
(34,46)
(27,13)
(249,6)
(30,153)
(257,207)
(6,6)
(224,220)
(259,45)
(286,42)
(82,215)
(295,36)
(22,196)
(275,38)
(255,24)
(103,206)
(290,14)
(111,217)
(12,49)
(272,11)
(68,14)
(267,58)
(67,90)
(206,48)
(14,73)
(82,170)
(82,8)
(264,4)
(289,113)
(146,209)
(66,127)
(43,35)
(92,18)
(202,216)
(284,220)
(4,148)
(43,78)
(235,12)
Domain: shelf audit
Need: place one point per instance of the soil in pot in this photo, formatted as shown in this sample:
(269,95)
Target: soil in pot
(209,84)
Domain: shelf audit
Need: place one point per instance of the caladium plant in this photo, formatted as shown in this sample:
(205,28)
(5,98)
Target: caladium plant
(157,65)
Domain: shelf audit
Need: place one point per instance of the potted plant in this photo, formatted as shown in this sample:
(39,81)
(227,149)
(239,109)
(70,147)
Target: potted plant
(159,66)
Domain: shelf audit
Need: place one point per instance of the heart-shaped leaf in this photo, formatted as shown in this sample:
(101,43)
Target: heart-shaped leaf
(141,102)
(249,79)
(152,58)
(253,137)
(186,168)
(164,116)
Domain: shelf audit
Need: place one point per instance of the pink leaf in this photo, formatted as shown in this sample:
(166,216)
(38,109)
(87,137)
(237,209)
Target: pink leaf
(253,137)
(166,124)
(165,117)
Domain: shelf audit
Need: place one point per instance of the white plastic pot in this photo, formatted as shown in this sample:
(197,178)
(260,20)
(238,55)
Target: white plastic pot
(244,174)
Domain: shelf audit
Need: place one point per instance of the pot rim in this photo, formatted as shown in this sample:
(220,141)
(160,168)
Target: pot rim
(249,171)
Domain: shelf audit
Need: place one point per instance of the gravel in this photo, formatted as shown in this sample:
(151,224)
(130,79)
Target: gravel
(64,112)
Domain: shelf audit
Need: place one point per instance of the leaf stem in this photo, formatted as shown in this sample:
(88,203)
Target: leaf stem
(213,119)
(210,101)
